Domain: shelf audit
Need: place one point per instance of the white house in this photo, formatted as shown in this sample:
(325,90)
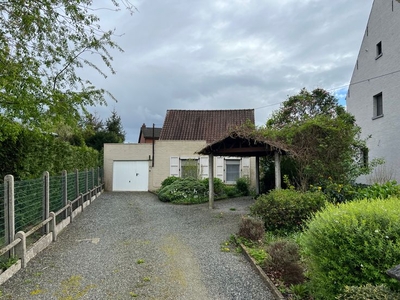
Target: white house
(143,166)
(374,91)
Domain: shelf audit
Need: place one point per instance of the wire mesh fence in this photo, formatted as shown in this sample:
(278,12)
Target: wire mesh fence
(29,198)
(56,193)
(28,203)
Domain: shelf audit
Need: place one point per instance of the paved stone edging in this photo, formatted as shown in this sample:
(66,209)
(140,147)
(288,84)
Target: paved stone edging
(275,292)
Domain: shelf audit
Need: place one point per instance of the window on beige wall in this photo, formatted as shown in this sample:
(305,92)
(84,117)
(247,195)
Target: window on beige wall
(189,168)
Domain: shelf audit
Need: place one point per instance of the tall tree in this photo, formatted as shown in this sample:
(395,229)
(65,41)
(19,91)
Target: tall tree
(321,137)
(113,132)
(114,125)
(42,45)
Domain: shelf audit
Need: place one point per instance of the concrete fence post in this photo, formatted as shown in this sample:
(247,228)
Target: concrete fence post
(76,183)
(70,211)
(65,192)
(21,248)
(86,183)
(82,201)
(9,211)
(92,185)
(53,226)
(46,200)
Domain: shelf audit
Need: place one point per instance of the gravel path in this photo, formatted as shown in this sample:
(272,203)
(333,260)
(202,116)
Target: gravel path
(132,246)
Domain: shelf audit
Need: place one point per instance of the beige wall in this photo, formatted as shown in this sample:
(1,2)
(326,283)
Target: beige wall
(162,154)
(163,151)
(120,152)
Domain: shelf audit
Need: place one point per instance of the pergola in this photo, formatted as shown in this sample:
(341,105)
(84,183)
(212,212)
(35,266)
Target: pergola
(236,144)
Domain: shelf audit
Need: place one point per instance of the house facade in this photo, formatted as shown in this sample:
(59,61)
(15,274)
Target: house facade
(143,166)
(374,91)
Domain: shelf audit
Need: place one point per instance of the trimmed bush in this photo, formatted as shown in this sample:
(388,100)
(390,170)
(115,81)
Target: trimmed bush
(185,191)
(251,228)
(219,186)
(287,209)
(368,291)
(169,180)
(352,244)
(231,191)
(243,186)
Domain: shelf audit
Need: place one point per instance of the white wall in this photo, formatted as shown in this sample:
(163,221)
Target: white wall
(374,75)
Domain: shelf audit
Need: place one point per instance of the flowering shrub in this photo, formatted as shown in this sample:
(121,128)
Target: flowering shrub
(287,209)
(368,291)
(169,180)
(352,244)
(184,190)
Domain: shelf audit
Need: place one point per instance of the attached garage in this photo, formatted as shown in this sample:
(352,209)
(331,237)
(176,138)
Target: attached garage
(132,176)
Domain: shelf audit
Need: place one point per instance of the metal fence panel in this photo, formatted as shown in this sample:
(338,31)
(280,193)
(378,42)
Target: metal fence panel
(82,182)
(56,193)
(71,186)
(28,203)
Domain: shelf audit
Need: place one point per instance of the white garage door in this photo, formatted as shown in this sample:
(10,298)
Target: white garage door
(130,175)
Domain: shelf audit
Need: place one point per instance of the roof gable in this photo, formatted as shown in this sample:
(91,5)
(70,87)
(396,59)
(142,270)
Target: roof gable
(208,125)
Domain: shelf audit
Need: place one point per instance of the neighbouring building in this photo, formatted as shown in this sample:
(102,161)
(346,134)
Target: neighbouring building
(148,134)
(143,166)
(374,92)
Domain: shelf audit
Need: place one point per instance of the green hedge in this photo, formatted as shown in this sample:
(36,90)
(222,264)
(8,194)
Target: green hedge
(352,244)
(27,154)
(287,209)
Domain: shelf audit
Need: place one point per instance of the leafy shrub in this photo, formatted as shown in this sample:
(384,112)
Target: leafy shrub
(243,186)
(231,191)
(169,180)
(368,291)
(186,190)
(259,255)
(251,228)
(284,261)
(337,192)
(299,291)
(6,262)
(287,209)
(352,244)
(377,190)
(219,187)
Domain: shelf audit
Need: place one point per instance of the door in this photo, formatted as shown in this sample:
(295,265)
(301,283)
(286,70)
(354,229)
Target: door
(132,176)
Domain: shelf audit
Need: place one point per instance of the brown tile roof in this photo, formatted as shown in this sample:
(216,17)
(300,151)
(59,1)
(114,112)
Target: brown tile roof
(148,132)
(208,125)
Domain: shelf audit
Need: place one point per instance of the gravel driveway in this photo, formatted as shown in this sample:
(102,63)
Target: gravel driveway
(132,246)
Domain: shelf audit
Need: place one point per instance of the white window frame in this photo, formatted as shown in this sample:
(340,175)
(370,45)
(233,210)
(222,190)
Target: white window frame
(228,161)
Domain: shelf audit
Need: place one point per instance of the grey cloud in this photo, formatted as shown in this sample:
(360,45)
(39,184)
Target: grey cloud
(229,54)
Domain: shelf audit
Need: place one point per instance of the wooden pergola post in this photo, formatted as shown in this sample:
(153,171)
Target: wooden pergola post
(278,184)
(211,181)
(257,175)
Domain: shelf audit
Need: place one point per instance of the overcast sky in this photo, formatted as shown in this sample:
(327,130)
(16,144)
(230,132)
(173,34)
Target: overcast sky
(228,54)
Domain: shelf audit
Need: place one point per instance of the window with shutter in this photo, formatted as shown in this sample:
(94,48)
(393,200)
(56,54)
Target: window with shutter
(174,166)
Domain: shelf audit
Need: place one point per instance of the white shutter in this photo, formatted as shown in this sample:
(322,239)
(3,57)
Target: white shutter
(204,167)
(219,167)
(246,167)
(174,166)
